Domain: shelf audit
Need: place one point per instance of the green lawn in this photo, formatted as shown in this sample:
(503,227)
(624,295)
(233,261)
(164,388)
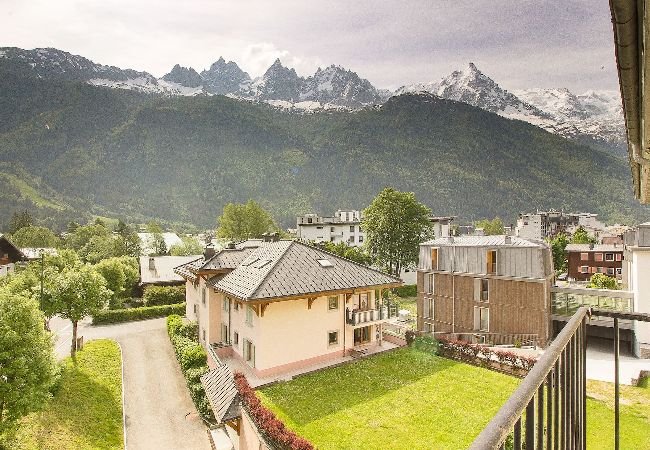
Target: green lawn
(635,416)
(86,413)
(408,399)
(403,399)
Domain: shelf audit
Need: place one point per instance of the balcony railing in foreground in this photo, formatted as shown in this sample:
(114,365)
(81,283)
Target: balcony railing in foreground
(549,408)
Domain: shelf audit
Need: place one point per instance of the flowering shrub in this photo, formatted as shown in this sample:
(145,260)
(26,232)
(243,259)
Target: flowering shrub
(266,420)
(478,353)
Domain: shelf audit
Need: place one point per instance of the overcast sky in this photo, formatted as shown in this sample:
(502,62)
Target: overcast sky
(521,44)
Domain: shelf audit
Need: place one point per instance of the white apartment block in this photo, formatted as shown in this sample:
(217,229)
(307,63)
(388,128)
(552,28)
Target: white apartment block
(345,226)
(542,224)
(636,270)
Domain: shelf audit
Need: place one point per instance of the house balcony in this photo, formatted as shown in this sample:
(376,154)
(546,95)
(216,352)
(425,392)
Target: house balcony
(356,317)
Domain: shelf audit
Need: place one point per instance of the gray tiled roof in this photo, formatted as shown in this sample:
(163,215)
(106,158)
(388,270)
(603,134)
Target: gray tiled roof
(484,241)
(596,248)
(220,389)
(224,259)
(287,268)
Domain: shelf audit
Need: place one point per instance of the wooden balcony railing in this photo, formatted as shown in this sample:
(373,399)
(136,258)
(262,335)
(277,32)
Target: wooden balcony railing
(549,408)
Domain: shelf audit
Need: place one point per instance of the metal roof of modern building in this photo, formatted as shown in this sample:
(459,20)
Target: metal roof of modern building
(484,241)
(290,268)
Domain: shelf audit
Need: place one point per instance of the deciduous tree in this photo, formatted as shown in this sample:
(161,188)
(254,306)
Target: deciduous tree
(37,237)
(244,221)
(27,365)
(395,224)
(602,281)
(190,246)
(582,237)
(558,247)
(77,293)
(491,227)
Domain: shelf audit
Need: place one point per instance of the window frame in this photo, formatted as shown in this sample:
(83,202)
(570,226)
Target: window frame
(609,257)
(584,269)
(329,335)
(204,295)
(584,256)
(331,298)
(249,316)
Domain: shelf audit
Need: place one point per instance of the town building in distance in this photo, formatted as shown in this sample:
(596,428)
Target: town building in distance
(345,226)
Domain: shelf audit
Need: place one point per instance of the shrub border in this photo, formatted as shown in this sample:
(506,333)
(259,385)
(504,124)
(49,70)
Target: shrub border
(266,420)
(132,314)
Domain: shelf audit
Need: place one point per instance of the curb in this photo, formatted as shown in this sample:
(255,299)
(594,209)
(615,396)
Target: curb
(123,398)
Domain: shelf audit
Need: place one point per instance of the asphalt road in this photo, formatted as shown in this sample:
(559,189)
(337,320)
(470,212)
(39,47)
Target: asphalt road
(159,411)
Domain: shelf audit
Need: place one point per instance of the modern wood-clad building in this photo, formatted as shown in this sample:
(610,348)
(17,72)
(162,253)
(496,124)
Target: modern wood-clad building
(490,287)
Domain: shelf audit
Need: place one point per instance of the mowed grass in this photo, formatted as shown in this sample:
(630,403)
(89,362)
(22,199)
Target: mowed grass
(402,399)
(635,415)
(86,413)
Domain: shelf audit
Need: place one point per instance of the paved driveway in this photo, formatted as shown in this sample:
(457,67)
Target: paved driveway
(159,411)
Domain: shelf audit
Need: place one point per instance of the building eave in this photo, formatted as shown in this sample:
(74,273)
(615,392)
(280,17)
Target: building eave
(631,35)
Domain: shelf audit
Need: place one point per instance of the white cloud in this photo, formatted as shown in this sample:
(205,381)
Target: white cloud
(256,58)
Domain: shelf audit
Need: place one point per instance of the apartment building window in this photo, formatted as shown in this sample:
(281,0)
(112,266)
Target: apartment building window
(599,270)
(249,352)
(584,256)
(434,259)
(363,301)
(351,239)
(331,229)
(430,283)
(319,228)
(481,319)
(481,289)
(618,271)
(203,334)
(196,308)
(610,271)
(332,338)
(584,269)
(225,337)
(236,338)
(236,305)
(226,304)
(309,220)
(203,296)
(432,311)
(492,261)
(333,302)
(351,228)
(609,257)
(360,238)
(598,257)
(619,257)
(249,316)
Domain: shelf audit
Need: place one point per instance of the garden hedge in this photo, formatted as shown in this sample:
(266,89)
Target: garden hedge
(408,290)
(163,295)
(193,361)
(130,314)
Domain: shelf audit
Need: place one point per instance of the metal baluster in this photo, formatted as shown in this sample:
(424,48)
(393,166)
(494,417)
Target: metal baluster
(540,416)
(617,429)
(517,437)
(584,384)
(556,405)
(550,382)
(565,396)
(530,424)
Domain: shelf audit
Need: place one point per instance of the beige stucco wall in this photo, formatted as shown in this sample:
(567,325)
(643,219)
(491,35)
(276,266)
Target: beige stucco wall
(249,437)
(192,298)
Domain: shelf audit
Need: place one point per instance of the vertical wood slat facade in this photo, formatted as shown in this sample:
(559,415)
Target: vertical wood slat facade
(518,294)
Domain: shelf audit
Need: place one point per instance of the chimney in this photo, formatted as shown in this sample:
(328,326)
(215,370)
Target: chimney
(152,263)
(591,246)
(266,237)
(274,237)
(208,252)
(230,245)
(507,240)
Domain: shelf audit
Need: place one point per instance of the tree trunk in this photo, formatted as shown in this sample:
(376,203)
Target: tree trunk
(73,348)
